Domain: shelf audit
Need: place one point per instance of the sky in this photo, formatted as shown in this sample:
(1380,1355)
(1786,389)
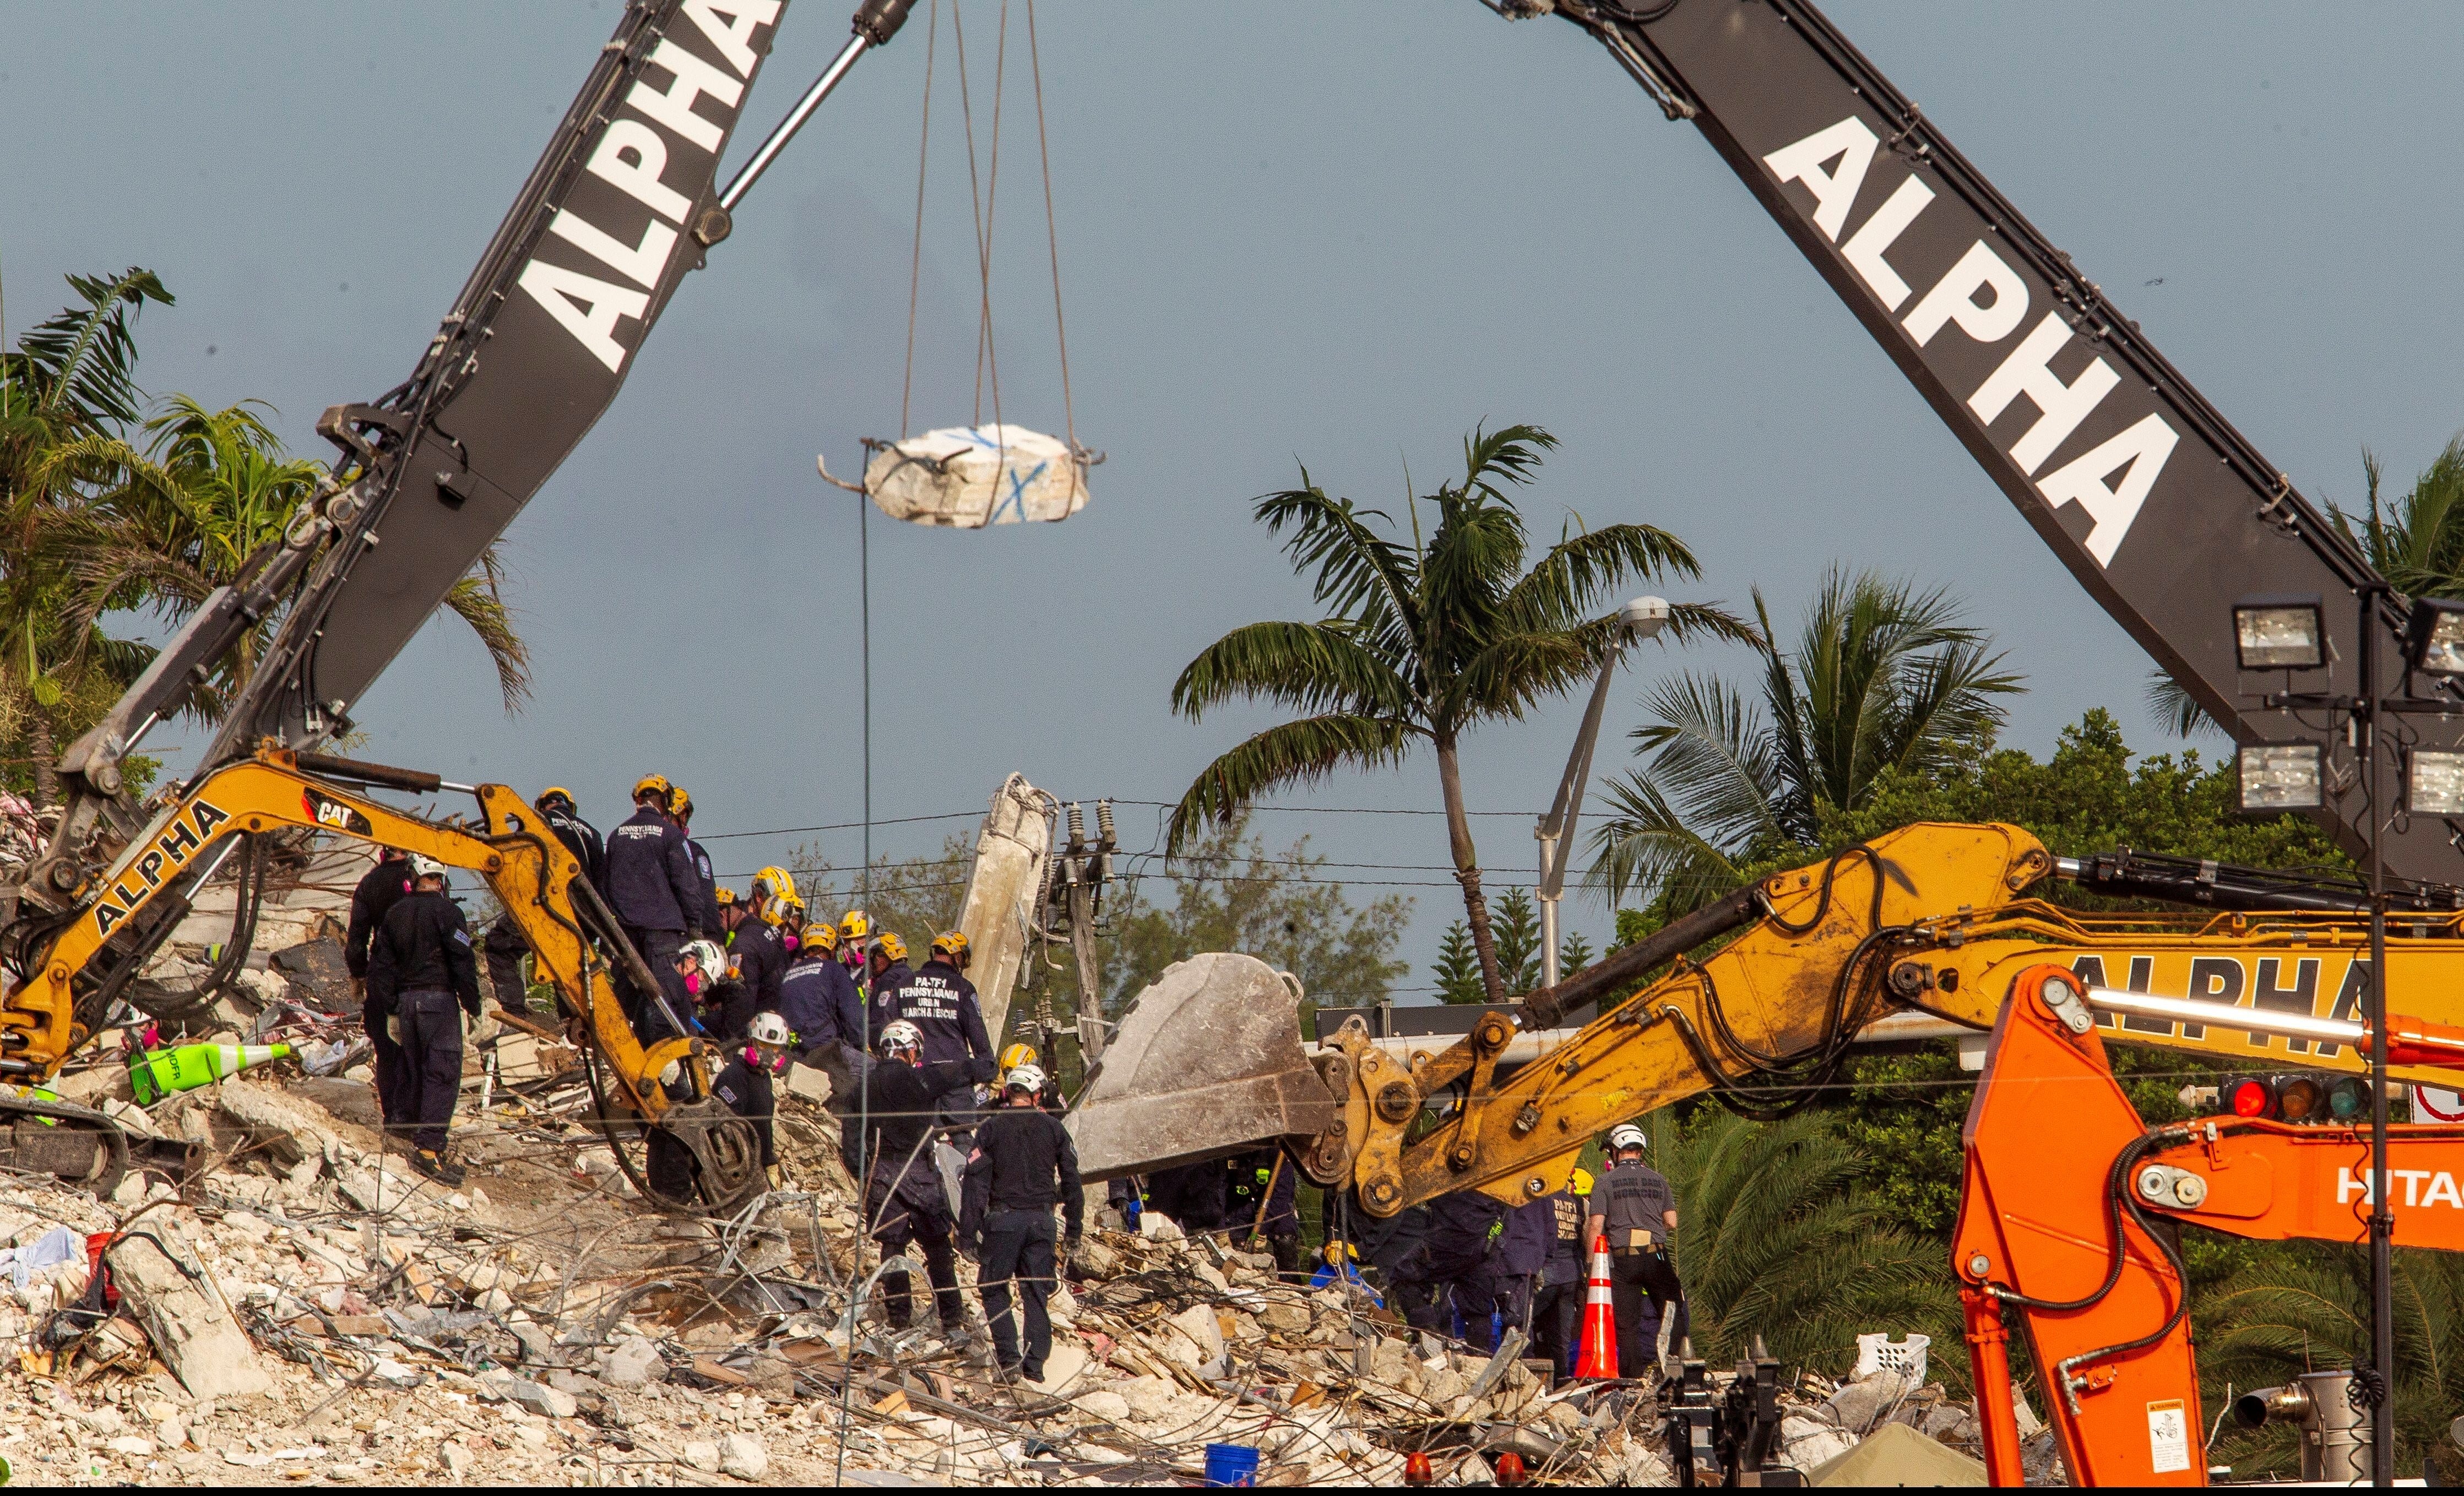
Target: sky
(1288,233)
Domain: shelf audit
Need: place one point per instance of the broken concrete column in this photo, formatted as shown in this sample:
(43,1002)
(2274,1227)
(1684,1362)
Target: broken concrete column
(192,1330)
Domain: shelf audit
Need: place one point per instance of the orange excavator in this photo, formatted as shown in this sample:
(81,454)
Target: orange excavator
(2070,1210)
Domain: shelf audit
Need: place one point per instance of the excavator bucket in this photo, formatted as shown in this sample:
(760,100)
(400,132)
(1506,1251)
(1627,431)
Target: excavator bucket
(1207,1061)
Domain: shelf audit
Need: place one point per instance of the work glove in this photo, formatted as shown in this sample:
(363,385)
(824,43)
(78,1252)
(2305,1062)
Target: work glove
(777,1175)
(394,1027)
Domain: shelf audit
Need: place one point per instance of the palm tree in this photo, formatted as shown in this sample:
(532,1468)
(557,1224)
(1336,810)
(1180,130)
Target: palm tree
(186,513)
(1424,640)
(1883,676)
(69,379)
(1776,1239)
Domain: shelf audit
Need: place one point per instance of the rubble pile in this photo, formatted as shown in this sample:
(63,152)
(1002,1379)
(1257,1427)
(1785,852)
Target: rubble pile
(301,1306)
(274,1296)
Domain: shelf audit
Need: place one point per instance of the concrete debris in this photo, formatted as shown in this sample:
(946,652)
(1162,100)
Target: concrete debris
(299,1307)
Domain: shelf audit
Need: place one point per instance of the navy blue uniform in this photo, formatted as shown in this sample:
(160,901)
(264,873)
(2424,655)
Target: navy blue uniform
(903,1192)
(883,989)
(705,909)
(656,894)
(940,1001)
(1246,1179)
(420,967)
(746,1089)
(757,958)
(819,1001)
(1023,1164)
(582,840)
(1557,1307)
(1460,1262)
(379,889)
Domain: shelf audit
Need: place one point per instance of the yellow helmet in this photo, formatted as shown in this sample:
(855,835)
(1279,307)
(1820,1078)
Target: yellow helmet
(820,936)
(951,942)
(1016,1055)
(679,804)
(725,895)
(1580,1182)
(780,886)
(653,785)
(889,944)
(553,792)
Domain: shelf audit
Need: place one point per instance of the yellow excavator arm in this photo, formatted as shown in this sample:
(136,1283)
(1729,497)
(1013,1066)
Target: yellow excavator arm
(1930,918)
(67,988)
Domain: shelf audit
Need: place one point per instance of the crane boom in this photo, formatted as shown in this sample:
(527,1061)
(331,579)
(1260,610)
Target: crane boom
(2162,511)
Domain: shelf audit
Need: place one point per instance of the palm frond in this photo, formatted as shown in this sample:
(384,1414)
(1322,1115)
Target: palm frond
(1645,846)
(479,600)
(1313,667)
(1712,756)
(1567,583)
(1291,754)
(1359,572)
(2173,706)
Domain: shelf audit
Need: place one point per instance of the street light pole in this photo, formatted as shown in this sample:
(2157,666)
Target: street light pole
(1640,618)
(2382,1223)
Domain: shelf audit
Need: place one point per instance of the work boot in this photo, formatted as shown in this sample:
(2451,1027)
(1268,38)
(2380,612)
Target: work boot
(1006,1374)
(436,1166)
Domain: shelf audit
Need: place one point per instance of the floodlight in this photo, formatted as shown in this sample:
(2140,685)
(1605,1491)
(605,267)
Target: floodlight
(2435,643)
(2434,782)
(2279,633)
(2282,777)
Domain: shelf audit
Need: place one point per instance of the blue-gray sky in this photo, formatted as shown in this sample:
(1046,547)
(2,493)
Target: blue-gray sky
(1288,232)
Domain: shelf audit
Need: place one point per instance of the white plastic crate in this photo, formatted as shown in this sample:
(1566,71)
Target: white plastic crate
(1880,1352)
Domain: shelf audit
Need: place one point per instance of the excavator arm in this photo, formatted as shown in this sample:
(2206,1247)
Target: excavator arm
(63,994)
(1756,998)
(2070,1209)
(2164,512)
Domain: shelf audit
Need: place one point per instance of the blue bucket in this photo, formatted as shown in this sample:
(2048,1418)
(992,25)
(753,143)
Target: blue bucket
(1231,1465)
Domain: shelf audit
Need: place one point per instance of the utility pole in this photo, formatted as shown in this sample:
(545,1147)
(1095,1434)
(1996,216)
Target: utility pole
(1083,870)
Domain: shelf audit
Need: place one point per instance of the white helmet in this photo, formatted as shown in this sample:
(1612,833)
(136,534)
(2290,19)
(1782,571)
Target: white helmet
(706,956)
(1625,1136)
(900,1034)
(423,865)
(1027,1078)
(768,1029)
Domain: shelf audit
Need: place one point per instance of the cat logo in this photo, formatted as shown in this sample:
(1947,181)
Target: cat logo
(150,864)
(333,815)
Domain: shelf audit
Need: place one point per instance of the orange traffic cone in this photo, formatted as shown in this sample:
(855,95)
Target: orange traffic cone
(1598,1358)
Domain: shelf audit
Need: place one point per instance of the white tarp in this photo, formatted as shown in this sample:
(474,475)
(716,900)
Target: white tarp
(970,477)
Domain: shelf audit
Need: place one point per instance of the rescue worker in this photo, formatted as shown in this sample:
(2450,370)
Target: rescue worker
(1049,1097)
(1633,1205)
(755,953)
(886,971)
(655,893)
(505,945)
(744,1084)
(1023,1165)
(1392,1245)
(1192,1194)
(1521,1253)
(379,889)
(420,968)
(940,1001)
(905,1200)
(824,1011)
(1557,1308)
(1458,1268)
(855,927)
(680,809)
(818,998)
(722,1006)
(1261,1199)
